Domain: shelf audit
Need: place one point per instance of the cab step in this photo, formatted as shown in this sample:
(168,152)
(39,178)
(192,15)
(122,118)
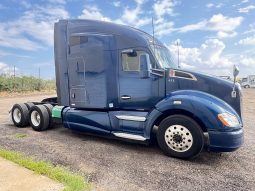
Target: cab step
(130,136)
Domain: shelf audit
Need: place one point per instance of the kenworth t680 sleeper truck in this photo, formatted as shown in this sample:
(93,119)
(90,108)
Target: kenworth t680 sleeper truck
(117,81)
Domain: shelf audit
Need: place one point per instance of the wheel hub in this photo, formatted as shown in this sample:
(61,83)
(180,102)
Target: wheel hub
(35,118)
(178,138)
(17,115)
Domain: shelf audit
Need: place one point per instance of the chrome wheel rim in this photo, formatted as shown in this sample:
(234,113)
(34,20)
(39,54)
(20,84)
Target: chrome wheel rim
(178,138)
(17,115)
(35,118)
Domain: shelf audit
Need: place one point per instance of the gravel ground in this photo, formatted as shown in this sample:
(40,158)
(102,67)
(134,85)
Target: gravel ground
(116,165)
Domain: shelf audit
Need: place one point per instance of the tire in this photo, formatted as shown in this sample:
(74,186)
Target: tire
(246,86)
(49,108)
(29,105)
(39,118)
(20,115)
(180,136)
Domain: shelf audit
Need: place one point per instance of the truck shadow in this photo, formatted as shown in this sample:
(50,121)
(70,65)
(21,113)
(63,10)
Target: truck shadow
(151,149)
(205,157)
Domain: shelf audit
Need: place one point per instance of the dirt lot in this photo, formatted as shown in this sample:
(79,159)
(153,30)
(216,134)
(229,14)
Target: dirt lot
(116,165)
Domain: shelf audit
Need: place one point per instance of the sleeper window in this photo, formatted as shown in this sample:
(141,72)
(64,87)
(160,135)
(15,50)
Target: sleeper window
(131,62)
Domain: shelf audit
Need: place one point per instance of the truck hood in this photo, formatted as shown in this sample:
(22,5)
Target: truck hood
(189,80)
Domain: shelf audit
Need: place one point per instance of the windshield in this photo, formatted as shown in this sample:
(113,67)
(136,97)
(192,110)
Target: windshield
(163,56)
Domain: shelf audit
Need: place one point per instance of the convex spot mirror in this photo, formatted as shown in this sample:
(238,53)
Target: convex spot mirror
(235,71)
(144,65)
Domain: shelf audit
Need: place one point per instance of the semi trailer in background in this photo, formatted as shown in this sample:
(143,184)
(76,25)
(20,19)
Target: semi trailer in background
(248,82)
(117,81)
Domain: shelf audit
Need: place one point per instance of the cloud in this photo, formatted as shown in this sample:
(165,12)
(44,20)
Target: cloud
(251,29)
(134,16)
(164,28)
(248,41)
(247,61)
(58,1)
(246,9)
(92,12)
(211,5)
(33,29)
(10,54)
(18,42)
(208,57)
(116,3)
(5,69)
(164,7)
(223,25)
(222,34)
(130,16)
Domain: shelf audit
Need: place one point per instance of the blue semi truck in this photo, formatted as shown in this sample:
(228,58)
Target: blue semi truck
(118,81)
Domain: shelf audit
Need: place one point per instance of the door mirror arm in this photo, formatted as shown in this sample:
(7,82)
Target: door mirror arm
(144,60)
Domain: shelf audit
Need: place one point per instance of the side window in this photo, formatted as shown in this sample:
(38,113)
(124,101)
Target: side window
(131,61)
(77,40)
(77,43)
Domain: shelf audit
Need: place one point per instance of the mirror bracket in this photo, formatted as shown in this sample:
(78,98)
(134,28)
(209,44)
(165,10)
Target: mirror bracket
(144,60)
(235,73)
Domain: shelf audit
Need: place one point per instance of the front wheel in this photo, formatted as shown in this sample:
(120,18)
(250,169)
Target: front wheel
(180,136)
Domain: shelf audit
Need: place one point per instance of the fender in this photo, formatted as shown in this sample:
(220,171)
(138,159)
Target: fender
(204,106)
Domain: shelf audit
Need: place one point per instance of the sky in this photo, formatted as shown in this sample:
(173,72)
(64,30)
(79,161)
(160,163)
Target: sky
(212,35)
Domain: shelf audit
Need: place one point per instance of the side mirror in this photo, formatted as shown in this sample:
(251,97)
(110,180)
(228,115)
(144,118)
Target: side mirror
(144,65)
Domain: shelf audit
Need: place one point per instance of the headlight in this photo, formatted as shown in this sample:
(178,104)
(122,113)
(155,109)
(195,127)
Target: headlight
(228,119)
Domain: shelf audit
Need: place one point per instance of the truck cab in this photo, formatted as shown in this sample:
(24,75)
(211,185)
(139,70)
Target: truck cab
(118,81)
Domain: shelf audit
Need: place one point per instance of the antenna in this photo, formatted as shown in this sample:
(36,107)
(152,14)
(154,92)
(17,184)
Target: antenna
(153,35)
(177,43)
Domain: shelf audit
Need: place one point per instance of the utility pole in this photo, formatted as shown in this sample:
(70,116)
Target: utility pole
(177,43)
(39,77)
(14,76)
(153,33)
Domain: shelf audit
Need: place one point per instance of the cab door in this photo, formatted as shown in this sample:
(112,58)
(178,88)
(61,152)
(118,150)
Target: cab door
(137,92)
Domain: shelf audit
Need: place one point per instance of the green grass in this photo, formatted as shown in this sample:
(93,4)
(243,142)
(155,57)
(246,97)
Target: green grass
(20,135)
(71,181)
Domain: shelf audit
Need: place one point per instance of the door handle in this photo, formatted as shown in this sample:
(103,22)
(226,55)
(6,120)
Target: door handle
(125,97)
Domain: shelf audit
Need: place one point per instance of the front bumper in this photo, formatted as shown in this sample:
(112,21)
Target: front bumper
(225,141)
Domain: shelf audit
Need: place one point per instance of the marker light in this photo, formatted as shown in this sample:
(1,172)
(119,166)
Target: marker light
(228,119)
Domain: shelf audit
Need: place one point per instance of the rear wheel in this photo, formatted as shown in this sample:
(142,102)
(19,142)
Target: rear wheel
(180,136)
(39,118)
(20,115)
(29,105)
(49,108)
(246,86)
